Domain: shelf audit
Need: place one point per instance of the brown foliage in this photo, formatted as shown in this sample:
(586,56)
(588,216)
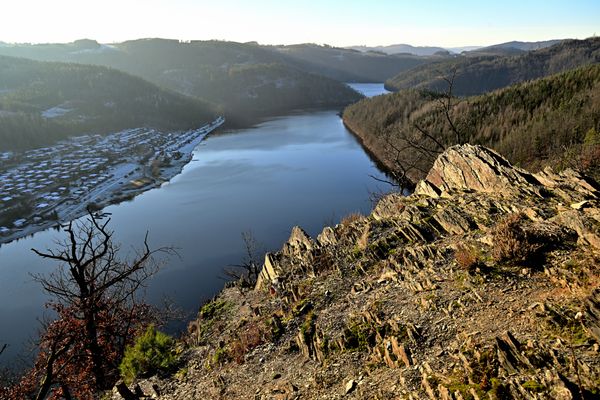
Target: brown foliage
(351,218)
(252,335)
(466,257)
(511,242)
(64,367)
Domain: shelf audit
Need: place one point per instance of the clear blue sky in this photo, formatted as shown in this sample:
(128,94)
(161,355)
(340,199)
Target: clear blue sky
(336,22)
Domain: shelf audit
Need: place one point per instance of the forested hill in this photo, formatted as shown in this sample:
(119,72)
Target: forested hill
(348,65)
(477,74)
(247,80)
(514,47)
(401,48)
(41,102)
(551,121)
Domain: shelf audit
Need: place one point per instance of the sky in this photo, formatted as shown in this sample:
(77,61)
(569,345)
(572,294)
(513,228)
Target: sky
(449,23)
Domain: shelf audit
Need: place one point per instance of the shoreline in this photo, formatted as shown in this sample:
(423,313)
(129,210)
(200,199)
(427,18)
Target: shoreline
(380,163)
(133,180)
(128,181)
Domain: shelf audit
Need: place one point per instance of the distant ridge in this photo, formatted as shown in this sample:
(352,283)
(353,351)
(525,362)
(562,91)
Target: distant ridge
(247,81)
(483,71)
(432,50)
(401,48)
(523,46)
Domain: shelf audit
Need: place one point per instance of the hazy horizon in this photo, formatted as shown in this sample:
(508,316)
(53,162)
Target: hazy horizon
(465,45)
(337,23)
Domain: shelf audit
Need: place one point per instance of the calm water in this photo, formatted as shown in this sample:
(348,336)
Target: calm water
(303,169)
(369,89)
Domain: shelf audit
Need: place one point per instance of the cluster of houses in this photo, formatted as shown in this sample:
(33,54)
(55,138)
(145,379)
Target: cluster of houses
(65,173)
(44,179)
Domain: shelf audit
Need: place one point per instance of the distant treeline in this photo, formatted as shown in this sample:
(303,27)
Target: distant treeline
(92,99)
(347,65)
(551,121)
(21,131)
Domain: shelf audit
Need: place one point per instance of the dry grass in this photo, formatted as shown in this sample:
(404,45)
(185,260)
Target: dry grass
(251,336)
(363,240)
(466,257)
(511,242)
(351,218)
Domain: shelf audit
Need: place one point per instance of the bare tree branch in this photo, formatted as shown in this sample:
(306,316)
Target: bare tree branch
(94,283)
(411,151)
(247,272)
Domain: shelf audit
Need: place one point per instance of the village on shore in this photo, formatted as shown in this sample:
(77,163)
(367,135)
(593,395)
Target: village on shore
(44,187)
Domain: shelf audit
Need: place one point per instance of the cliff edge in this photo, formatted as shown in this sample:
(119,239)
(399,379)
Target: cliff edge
(483,284)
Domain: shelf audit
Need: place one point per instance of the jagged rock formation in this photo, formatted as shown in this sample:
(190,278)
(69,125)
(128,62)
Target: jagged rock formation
(474,168)
(483,284)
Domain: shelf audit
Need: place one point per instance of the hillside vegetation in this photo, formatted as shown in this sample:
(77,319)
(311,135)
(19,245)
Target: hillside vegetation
(478,73)
(551,121)
(41,102)
(515,47)
(246,80)
(347,65)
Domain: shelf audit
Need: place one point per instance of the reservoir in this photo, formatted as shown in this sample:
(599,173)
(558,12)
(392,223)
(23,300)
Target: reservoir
(301,169)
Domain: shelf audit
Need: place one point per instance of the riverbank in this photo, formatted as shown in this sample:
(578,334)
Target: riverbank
(375,155)
(127,180)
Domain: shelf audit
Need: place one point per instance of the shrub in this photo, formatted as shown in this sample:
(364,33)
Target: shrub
(153,351)
(251,336)
(351,218)
(220,356)
(511,242)
(466,257)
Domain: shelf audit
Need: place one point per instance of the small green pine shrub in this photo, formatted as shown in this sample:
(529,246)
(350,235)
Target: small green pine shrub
(152,351)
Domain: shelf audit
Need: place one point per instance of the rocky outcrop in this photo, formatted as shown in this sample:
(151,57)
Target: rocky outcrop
(475,168)
(299,247)
(268,273)
(483,284)
(592,317)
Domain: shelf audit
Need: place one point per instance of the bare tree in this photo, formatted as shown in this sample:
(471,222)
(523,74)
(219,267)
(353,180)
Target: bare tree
(447,102)
(411,151)
(406,156)
(430,143)
(246,272)
(95,294)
